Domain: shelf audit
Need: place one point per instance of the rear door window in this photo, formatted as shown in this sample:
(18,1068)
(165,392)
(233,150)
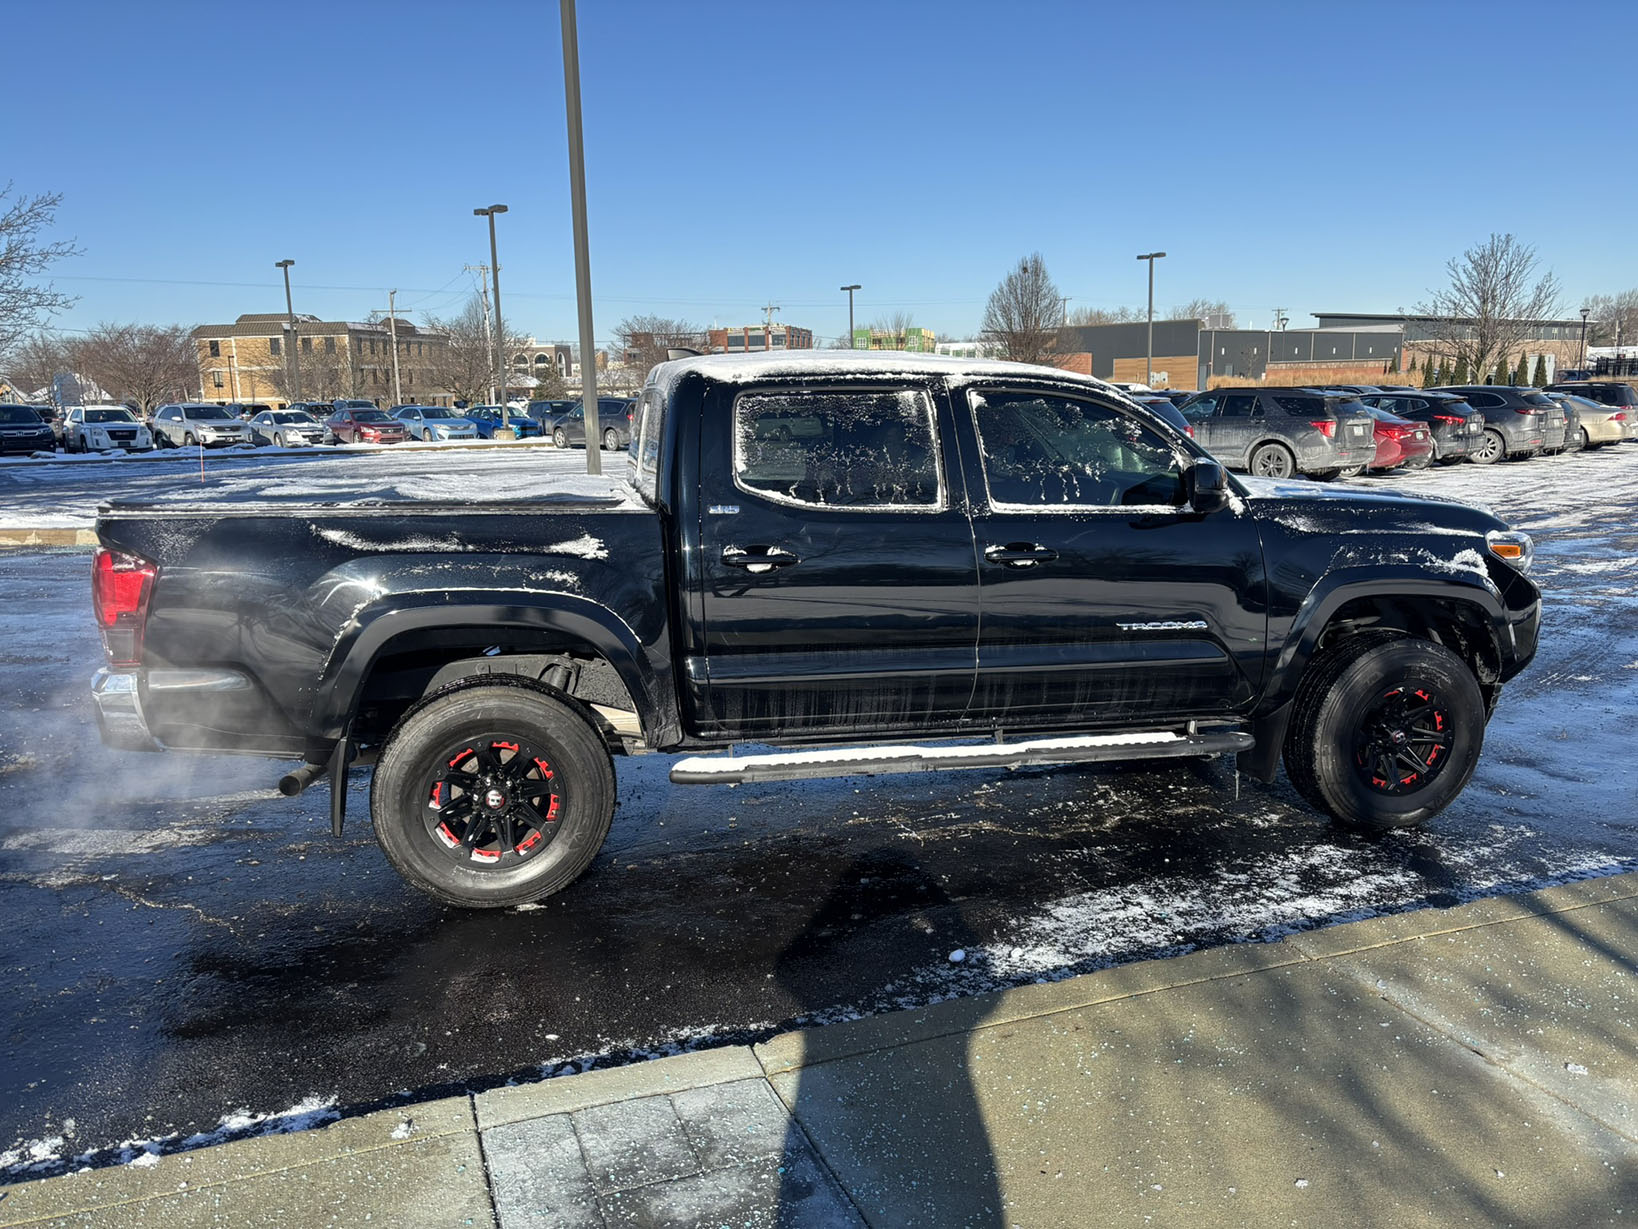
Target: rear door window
(839,448)
(1238,405)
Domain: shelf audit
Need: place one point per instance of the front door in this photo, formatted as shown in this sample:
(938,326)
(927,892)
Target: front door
(1104,597)
(837,565)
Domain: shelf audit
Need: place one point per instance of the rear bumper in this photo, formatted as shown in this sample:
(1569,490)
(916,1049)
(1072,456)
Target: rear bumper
(192,710)
(120,719)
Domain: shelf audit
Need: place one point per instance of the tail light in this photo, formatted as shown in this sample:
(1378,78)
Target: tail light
(120,588)
(1325,426)
(1455,418)
(1618,416)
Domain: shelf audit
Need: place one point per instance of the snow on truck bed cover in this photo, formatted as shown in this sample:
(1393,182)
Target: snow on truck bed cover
(546,479)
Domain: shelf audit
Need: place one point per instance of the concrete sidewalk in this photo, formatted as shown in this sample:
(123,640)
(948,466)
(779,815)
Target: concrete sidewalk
(1476,1065)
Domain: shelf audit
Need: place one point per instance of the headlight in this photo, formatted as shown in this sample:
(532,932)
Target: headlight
(1512,548)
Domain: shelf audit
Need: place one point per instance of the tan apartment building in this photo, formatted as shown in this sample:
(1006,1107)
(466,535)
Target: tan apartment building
(250,360)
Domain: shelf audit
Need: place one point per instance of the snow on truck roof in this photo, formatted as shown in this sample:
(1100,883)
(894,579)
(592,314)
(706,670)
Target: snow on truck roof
(886,364)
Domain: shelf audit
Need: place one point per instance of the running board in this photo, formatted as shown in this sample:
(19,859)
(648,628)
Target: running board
(869,761)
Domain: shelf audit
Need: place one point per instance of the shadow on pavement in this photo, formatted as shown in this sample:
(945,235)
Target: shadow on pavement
(860,1128)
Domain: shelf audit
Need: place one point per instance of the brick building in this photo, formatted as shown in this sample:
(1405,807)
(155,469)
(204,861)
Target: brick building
(247,361)
(759,337)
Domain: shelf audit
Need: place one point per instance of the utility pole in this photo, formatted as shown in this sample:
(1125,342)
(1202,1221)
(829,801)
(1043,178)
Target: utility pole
(1280,319)
(1585,312)
(483,293)
(850,290)
(1151,257)
(768,310)
(582,246)
(293,360)
(500,328)
(392,332)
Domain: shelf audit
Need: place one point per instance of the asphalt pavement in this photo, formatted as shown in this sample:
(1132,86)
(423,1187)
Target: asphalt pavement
(192,958)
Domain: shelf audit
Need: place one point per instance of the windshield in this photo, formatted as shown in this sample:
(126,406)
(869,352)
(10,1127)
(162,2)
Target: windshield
(109,416)
(371,416)
(207,413)
(436,411)
(356,405)
(18,416)
(288,418)
(1540,399)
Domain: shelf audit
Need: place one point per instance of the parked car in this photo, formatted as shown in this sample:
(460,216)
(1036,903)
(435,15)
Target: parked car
(548,412)
(435,422)
(53,417)
(1278,432)
(286,428)
(1356,389)
(1455,426)
(97,428)
(362,423)
(1178,612)
(1612,393)
(486,419)
(188,423)
(344,403)
(1163,408)
(1517,421)
(23,430)
(1593,424)
(613,424)
(246,409)
(1399,442)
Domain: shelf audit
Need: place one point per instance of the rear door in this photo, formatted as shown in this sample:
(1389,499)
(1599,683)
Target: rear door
(1104,597)
(1239,422)
(839,583)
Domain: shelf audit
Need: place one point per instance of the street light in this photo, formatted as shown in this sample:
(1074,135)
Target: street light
(850,290)
(582,245)
(292,359)
(1585,312)
(1149,369)
(500,333)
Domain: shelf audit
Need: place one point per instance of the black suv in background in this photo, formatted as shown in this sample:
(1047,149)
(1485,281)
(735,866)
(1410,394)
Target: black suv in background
(1606,392)
(1519,422)
(1457,428)
(1278,432)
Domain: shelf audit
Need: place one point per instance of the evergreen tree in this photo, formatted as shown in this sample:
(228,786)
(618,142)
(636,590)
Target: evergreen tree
(1521,373)
(1461,376)
(1430,373)
(1540,378)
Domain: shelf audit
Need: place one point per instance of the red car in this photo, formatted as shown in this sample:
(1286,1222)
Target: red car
(357,426)
(1399,441)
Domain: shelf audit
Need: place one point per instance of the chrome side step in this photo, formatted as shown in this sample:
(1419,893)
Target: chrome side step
(870,761)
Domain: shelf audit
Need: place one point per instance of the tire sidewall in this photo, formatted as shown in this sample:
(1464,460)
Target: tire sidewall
(574,749)
(1395,663)
(1275,450)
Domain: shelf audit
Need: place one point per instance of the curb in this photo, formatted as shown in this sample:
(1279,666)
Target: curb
(18,538)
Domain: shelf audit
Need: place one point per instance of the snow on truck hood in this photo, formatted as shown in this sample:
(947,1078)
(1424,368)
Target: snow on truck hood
(1330,507)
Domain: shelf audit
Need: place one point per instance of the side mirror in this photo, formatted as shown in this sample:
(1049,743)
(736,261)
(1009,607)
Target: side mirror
(1208,486)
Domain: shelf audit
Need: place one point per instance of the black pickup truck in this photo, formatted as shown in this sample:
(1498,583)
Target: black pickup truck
(865,564)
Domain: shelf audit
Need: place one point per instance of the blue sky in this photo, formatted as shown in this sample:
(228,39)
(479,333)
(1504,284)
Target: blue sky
(1315,157)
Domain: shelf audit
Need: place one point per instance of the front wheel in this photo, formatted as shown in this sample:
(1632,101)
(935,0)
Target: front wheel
(1273,461)
(1385,731)
(611,440)
(560,438)
(1491,449)
(187,440)
(493,794)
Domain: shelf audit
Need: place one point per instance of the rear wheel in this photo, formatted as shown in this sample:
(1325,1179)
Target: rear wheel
(1326,475)
(560,438)
(611,440)
(1385,731)
(493,794)
(1583,440)
(1492,448)
(1273,461)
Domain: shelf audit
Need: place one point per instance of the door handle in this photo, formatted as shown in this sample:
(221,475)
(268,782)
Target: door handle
(1020,554)
(758,559)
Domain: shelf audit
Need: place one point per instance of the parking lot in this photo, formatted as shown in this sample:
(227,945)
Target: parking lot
(190,953)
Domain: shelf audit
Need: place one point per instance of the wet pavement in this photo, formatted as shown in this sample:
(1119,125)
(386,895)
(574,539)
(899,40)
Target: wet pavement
(182,945)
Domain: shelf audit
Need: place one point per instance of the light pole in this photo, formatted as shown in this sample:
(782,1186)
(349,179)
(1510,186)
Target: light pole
(500,333)
(1149,367)
(850,290)
(292,360)
(1585,312)
(582,246)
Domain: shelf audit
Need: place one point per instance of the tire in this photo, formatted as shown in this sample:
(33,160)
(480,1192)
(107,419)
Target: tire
(1353,471)
(1326,475)
(1374,706)
(611,441)
(188,441)
(1586,440)
(1272,461)
(560,438)
(1491,449)
(479,864)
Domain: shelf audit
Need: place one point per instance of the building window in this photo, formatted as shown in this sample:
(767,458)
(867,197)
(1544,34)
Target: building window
(216,376)
(216,351)
(275,347)
(306,345)
(329,345)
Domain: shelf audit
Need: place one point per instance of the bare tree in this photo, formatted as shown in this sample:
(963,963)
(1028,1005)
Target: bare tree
(1080,317)
(642,341)
(142,363)
(24,303)
(330,369)
(1202,310)
(895,326)
(1023,312)
(464,366)
(34,362)
(1489,311)
(1612,319)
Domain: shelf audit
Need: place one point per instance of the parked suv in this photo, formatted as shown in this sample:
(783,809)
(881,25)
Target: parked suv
(1519,422)
(23,430)
(1278,432)
(97,428)
(613,423)
(1456,426)
(187,424)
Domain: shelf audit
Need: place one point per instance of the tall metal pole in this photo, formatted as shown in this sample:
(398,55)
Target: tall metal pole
(850,290)
(392,332)
(1585,312)
(500,331)
(293,359)
(1149,366)
(582,248)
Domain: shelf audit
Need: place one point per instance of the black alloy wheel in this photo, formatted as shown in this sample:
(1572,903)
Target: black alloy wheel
(1403,740)
(493,793)
(1273,461)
